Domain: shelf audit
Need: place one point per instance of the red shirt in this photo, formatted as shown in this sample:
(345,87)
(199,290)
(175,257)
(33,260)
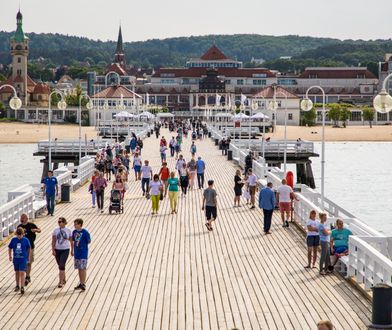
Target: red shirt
(165,173)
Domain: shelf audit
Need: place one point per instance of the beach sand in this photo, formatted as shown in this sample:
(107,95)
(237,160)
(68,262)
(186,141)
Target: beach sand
(32,133)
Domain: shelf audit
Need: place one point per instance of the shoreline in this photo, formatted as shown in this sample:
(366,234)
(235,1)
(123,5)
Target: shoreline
(25,133)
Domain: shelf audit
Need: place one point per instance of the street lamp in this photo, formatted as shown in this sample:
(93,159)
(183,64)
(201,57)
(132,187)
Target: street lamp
(89,106)
(254,106)
(274,105)
(61,105)
(263,139)
(307,105)
(15,102)
(383,101)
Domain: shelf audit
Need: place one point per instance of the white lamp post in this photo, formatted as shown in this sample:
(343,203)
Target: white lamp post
(15,102)
(61,105)
(307,105)
(263,139)
(383,101)
(89,106)
(254,106)
(274,105)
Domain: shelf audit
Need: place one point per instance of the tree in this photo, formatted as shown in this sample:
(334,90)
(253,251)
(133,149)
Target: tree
(308,117)
(368,115)
(2,110)
(334,113)
(344,115)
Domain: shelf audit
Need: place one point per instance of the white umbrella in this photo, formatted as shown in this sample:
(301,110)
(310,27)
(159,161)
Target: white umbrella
(259,115)
(240,116)
(165,115)
(123,114)
(146,114)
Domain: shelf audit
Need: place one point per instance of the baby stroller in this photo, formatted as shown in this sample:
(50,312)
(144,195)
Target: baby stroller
(116,202)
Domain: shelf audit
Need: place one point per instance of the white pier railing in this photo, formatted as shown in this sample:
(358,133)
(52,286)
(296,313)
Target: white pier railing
(10,212)
(370,259)
(85,170)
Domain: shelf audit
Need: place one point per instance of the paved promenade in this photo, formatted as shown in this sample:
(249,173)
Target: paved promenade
(168,271)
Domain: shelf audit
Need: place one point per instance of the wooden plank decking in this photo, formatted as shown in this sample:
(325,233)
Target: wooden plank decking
(168,271)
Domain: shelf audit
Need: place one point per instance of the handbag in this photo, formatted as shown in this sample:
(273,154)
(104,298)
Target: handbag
(161,197)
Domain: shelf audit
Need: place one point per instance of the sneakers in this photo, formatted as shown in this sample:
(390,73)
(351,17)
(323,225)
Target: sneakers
(27,280)
(287,224)
(22,291)
(81,287)
(17,288)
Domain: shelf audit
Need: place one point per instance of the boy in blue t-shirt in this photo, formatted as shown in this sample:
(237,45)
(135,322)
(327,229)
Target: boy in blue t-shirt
(20,248)
(81,239)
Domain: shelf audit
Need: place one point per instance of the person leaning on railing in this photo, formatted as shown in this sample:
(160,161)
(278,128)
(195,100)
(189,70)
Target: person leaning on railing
(339,241)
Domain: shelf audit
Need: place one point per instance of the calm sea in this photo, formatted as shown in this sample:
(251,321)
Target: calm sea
(358,177)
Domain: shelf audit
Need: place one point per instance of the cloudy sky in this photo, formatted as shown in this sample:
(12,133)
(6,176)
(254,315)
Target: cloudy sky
(141,20)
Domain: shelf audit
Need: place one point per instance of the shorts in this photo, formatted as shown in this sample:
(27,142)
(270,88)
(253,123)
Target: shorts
(312,241)
(80,263)
(31,257)
(285,206)
(211,212)
(252,190)
(340,249)
(137,168)
(238,191)
(20,266)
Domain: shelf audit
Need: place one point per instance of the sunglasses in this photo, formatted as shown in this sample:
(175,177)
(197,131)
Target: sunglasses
(60,221)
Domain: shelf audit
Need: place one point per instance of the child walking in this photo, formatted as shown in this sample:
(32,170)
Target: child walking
(81,239)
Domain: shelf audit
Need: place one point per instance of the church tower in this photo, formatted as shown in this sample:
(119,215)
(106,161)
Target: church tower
(19,53)
(119,56)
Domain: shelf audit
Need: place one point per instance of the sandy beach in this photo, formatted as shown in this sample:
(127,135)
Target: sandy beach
(31,133)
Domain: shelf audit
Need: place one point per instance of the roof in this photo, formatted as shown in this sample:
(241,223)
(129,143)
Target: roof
(120,47)
(114,92)
(18,79)
(65,79)
(41,89)
(269,92)
(338,73)
(214,54)
(19,35)
(199,72)
(116,67)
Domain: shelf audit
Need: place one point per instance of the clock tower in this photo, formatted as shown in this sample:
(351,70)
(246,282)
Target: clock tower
(19,53)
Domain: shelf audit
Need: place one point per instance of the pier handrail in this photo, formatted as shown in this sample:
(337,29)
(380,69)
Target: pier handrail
(11,211)
(367,265)
(85,169)
(64,176)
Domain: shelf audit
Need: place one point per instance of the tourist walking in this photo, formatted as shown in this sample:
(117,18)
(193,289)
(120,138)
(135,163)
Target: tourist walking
(312,239)
(137,165)
(162,150)
(133,144)
(164,175)
(19,252)
(30,231)
(155,190)
(100,184)
(200,169)
(118,184)
(192,172)
(238,184)
(173,192)
(140,145)
(251,182)
(210,204)
(50,189)
(146,176)
(193,149)
(267,202)
(285,195)
(61,246)
(91,188)
(180,163)
(184,179)
(81,240)
(172,145)
(325,257)
(248,162)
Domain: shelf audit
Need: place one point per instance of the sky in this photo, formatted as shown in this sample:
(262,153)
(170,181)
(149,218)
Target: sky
(150,19)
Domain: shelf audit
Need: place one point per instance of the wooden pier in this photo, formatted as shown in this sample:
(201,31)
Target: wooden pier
(168,271)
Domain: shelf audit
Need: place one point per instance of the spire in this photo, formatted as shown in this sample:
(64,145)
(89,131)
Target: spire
(19,35)
(120,47)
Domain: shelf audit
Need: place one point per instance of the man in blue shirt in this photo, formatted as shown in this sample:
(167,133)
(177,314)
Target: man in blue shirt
(20,248)
(51,190)
(267,202)
(80,239)
(200,168)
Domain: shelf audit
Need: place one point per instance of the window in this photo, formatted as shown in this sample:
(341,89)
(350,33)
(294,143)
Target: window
(312,76)
(356,116)
(290,116)
(259,82)
(382,116)
(19,59)
(167,75)
(227,81)
(259,75)
(240,81)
